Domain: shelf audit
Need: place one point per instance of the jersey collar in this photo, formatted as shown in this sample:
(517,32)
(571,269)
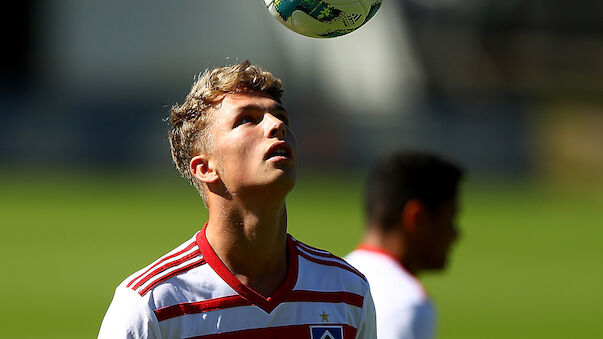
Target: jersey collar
(266,304)
(384,252)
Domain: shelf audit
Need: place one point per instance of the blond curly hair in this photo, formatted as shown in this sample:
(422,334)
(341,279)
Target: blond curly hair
(190,132)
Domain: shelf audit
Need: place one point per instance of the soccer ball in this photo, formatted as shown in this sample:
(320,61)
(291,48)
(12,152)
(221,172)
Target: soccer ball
(323,18)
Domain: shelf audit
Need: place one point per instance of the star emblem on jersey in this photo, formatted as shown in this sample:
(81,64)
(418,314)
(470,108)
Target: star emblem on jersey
(324,316)
(326,332)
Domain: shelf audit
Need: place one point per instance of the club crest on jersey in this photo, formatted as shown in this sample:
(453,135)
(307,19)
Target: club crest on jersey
(326,332)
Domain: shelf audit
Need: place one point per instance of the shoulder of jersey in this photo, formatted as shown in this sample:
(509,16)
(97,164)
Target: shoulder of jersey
(180,260)
(386,275)
(326,260)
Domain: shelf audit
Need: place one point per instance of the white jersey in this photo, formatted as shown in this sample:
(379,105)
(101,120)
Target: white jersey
(403,308)
(189,293)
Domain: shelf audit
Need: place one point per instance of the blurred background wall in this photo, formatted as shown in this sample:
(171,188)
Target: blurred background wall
(511,87)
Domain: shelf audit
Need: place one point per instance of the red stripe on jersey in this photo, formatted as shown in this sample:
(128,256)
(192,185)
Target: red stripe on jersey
(332,263)
(165,267)
(315,250)
(200,307)
(329,297)
(167,276)
(191,245)
(289,332)
(324,254)
(181,309)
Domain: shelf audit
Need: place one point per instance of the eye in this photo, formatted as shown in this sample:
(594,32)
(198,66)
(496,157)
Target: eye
(245,119)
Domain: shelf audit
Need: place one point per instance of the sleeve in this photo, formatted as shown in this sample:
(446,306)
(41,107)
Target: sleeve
(415,322)
(129,317)
(368,326)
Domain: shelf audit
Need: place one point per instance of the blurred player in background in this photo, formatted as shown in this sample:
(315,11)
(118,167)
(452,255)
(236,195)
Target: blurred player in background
(411,203)
(241,275)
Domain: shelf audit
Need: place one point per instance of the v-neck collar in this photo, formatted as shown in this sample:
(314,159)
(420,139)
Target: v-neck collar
(266,304)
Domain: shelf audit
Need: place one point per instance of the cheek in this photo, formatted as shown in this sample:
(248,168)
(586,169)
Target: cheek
(236,147)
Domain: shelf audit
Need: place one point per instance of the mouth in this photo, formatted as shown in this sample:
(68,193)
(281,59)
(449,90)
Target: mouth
(279,151)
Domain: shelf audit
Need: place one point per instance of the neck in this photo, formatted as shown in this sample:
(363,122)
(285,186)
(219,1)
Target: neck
(250,241)
(394,243)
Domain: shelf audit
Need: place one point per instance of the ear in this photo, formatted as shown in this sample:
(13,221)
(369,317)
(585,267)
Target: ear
(204,169)
(413,215)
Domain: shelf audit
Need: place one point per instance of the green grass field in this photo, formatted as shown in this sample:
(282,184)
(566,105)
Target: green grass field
(528,264)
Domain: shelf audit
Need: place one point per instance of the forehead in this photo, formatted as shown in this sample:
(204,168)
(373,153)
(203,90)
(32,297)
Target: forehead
(234,103)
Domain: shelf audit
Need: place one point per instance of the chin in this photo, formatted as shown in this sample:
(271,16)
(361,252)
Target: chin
(288,180)
(284,181)
(437,264)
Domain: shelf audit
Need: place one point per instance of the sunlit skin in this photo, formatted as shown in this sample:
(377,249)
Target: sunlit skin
(248,173)
(422,237)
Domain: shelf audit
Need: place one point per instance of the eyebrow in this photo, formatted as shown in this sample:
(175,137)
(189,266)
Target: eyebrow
(256,107)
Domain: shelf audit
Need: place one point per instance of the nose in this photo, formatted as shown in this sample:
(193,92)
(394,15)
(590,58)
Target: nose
(276,127)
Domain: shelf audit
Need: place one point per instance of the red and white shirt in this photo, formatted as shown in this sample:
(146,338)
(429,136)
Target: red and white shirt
(404,310)
(189,293)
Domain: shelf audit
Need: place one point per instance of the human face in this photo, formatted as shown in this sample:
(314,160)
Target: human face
(254,146)
(438,234)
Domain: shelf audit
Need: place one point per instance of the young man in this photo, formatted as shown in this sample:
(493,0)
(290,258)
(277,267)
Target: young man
(411,202)
(241,275)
